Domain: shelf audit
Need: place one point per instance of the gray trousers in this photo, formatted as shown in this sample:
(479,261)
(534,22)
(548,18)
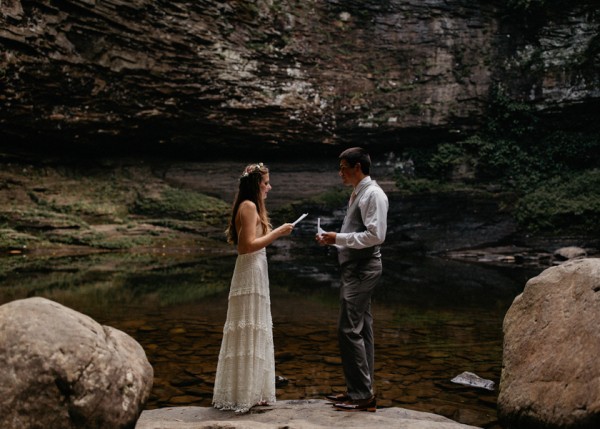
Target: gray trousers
(355,325)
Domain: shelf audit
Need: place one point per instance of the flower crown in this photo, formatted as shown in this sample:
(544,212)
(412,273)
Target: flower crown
(252,168)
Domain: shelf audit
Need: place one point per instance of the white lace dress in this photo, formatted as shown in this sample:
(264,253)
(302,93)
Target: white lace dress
(246,367)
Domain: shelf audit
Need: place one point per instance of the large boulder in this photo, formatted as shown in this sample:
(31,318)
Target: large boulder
(551,371)
(61,369)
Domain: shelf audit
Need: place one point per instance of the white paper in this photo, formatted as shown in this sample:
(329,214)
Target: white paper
(299,219)
(319,230)
(471,379)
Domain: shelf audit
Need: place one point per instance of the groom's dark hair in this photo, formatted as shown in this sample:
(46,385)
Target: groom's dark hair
(357,155)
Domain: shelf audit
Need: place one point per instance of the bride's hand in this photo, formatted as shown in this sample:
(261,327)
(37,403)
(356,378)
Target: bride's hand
(285,229)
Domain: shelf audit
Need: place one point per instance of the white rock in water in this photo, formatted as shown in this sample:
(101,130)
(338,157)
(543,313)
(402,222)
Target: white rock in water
(470,379)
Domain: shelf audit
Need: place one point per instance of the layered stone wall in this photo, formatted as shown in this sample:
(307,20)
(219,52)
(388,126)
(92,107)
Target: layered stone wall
(280,73)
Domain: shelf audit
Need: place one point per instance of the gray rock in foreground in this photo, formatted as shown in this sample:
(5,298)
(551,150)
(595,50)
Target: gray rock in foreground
(551,372)
(61,369)
(300,414)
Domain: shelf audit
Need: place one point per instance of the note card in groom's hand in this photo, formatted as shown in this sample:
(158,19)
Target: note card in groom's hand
(319,230)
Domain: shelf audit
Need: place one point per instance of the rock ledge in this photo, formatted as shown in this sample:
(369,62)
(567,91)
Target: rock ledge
(292,414)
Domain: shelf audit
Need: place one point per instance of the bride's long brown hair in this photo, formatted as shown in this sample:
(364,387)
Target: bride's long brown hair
(249,189)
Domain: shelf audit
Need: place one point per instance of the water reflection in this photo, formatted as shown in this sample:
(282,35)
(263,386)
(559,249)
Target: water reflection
(433,320)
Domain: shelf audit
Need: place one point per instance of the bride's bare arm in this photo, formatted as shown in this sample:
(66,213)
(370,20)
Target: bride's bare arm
(247,240)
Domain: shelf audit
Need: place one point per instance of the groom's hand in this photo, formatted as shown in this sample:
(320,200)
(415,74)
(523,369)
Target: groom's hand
(326,238)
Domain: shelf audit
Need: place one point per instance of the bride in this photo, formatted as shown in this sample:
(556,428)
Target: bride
(246,368)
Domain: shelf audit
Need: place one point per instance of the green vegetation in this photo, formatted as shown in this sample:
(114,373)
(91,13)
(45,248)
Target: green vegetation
(547,164)
(560,203)
(33,218)
(103,198)
(11,239)
(101,209)
(182,204)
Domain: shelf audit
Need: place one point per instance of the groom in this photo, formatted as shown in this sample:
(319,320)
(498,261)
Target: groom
(358,243)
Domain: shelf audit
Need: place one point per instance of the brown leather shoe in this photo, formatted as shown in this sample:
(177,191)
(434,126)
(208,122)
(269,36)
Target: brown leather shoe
(369,404)
(338,397)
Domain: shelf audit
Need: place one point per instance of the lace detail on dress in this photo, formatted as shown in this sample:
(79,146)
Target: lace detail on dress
(246,367)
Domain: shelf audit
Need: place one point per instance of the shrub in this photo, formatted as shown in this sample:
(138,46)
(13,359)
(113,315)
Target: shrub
(549,163)
(567,204)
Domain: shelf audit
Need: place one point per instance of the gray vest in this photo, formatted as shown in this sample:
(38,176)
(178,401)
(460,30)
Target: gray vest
(353,222)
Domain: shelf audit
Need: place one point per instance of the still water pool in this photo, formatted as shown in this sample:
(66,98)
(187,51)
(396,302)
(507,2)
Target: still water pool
(434,319)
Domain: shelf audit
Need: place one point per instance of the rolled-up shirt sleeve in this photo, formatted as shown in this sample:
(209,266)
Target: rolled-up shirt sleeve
(373,208)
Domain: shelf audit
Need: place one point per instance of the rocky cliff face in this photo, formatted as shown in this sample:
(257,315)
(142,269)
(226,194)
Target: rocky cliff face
(280,73)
